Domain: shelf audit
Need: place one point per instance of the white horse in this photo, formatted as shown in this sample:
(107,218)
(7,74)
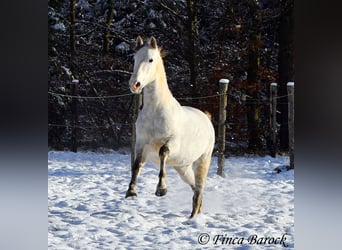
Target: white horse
(166,132)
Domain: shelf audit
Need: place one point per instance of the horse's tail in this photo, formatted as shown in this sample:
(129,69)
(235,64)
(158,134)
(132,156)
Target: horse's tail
(208,114)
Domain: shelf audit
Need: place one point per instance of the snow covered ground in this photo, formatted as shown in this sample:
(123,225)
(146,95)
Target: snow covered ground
(251,208)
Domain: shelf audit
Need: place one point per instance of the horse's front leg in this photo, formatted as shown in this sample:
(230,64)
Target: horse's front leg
(138,164)
(163,155)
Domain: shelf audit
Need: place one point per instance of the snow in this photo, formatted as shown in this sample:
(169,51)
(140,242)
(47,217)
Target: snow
(59,26)
(122,47)
(224,81)
(87,208)
(67,70)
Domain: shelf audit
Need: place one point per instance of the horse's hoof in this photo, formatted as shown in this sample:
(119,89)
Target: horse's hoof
(161,191)
(130,193)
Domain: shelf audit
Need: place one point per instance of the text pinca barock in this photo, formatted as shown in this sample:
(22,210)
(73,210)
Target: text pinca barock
(224,239)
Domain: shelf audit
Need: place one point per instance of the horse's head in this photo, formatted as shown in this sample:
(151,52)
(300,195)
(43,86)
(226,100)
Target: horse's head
(146,61)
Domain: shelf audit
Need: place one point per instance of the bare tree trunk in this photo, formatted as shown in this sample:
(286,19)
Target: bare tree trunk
(285,67)
(72,27)
(110,16)
(253,115)
(73,144)
(193,43)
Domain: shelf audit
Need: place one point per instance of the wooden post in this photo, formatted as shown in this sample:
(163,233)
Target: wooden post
(137,101)
(290,92)
(222,126)
(74,119)
(273,120)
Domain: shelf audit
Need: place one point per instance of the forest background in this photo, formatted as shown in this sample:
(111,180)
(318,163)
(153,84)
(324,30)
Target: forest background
(90,55)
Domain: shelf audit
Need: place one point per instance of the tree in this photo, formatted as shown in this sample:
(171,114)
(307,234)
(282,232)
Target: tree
(72,27)
(254,43)
(192,45)
(110,16)
(285,66)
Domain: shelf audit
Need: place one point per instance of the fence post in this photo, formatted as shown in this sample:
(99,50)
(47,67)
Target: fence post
(290,92)
(273,120)
(137,101)
(222,126)
(74,118)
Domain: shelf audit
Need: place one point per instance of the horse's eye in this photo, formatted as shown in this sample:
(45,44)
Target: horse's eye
(151,60)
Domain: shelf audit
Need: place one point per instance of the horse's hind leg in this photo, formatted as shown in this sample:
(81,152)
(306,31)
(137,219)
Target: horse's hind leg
(201,172)
(161,187)
(187,175)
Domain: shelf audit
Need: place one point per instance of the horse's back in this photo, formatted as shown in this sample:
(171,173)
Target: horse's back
(198,119)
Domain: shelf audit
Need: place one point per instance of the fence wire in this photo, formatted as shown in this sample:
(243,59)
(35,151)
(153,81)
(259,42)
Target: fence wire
(178,98)
(242,99)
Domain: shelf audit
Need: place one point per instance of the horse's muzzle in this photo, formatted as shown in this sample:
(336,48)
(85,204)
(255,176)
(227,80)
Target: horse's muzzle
(135,87)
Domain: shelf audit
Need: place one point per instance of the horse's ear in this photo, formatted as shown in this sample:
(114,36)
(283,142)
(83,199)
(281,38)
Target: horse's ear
(138,42)
(153,42)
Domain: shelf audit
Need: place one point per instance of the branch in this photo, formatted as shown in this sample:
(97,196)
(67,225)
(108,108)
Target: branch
(110,71)
(170,10)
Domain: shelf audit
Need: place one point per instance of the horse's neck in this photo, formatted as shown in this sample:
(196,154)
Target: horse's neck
(157,94)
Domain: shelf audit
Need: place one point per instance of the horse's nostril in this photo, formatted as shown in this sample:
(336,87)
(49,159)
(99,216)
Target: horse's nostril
(137,84)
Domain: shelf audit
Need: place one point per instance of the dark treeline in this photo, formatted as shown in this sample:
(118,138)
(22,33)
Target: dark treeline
(248,42)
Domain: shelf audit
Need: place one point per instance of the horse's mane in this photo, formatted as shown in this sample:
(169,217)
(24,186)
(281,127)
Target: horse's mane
(163,52)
